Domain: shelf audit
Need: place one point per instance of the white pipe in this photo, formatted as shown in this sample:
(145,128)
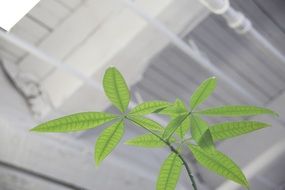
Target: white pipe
(48,59)
(242,25)
(65,67)
(190,52)
(266,44)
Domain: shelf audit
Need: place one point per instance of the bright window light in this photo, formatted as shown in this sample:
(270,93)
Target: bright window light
(11,11)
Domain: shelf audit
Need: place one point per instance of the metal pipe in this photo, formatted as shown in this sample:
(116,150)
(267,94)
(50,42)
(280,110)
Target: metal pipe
(189,51)
(242,25)
(48,59)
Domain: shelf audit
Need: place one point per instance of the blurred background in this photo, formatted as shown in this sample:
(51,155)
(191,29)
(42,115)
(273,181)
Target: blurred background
(53,59)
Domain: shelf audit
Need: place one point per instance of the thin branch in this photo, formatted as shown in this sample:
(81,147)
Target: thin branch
(174,150)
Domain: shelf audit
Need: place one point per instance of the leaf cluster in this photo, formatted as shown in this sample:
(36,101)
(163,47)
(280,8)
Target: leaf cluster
(186,128)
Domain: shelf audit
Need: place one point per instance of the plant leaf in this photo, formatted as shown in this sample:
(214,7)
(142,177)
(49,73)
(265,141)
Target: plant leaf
(173,125)
(236,110)
(75,122)
(147,141)
(149,107)
(219,163)
(147,123)
(227,130)
(108,140)
(169,173)
(178,108)
(205,89)
(184,128)
(116,89)
(201,133)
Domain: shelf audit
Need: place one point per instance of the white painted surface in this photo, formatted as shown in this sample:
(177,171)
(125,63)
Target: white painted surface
(13,10)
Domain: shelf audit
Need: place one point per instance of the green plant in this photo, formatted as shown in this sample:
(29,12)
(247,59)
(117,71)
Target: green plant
(186,129)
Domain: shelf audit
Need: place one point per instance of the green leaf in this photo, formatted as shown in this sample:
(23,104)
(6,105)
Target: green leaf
(227,130)
(147,141)
(145,122)
(108,140)
(169,173)
(219,163)
(173,125)
(149,107)
(75,122)
(201,133)
(203,92)
(236,110)
(178,108)
(184,128)
(116,89)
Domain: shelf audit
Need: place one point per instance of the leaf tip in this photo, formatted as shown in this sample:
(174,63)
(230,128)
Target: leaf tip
(97,161)
(275,114)
(246,184)
(35,129)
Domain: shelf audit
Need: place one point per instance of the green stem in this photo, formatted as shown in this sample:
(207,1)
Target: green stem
(174,150)
(169,136)
(185,165)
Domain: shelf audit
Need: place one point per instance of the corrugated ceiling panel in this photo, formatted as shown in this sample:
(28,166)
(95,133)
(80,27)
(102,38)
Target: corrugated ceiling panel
(71,4)
(29,30)
(49,13)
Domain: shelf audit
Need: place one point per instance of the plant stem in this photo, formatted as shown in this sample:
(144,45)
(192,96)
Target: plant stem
(185,165)
(174,150)
(189,113)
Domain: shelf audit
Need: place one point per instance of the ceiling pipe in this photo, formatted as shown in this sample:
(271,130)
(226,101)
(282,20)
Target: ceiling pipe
(183,46)
(33,50)
(242,25)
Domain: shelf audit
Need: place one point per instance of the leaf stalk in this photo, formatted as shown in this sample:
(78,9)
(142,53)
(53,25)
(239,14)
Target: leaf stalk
(175,151)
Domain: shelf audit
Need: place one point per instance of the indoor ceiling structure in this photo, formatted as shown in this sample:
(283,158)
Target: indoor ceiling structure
(52,64)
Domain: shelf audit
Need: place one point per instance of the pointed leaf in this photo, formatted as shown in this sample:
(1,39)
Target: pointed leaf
(184,128)
(116,89)
(147,123)
(75,122)
(203,92)
(147,141)
(236,110)
(108,140)
(219,163)
(173,125)
(178,108)
(149,107)
(201,133)
(169,173)
(227,130)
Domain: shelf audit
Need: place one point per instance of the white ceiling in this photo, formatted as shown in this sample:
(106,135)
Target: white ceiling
(90,35)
